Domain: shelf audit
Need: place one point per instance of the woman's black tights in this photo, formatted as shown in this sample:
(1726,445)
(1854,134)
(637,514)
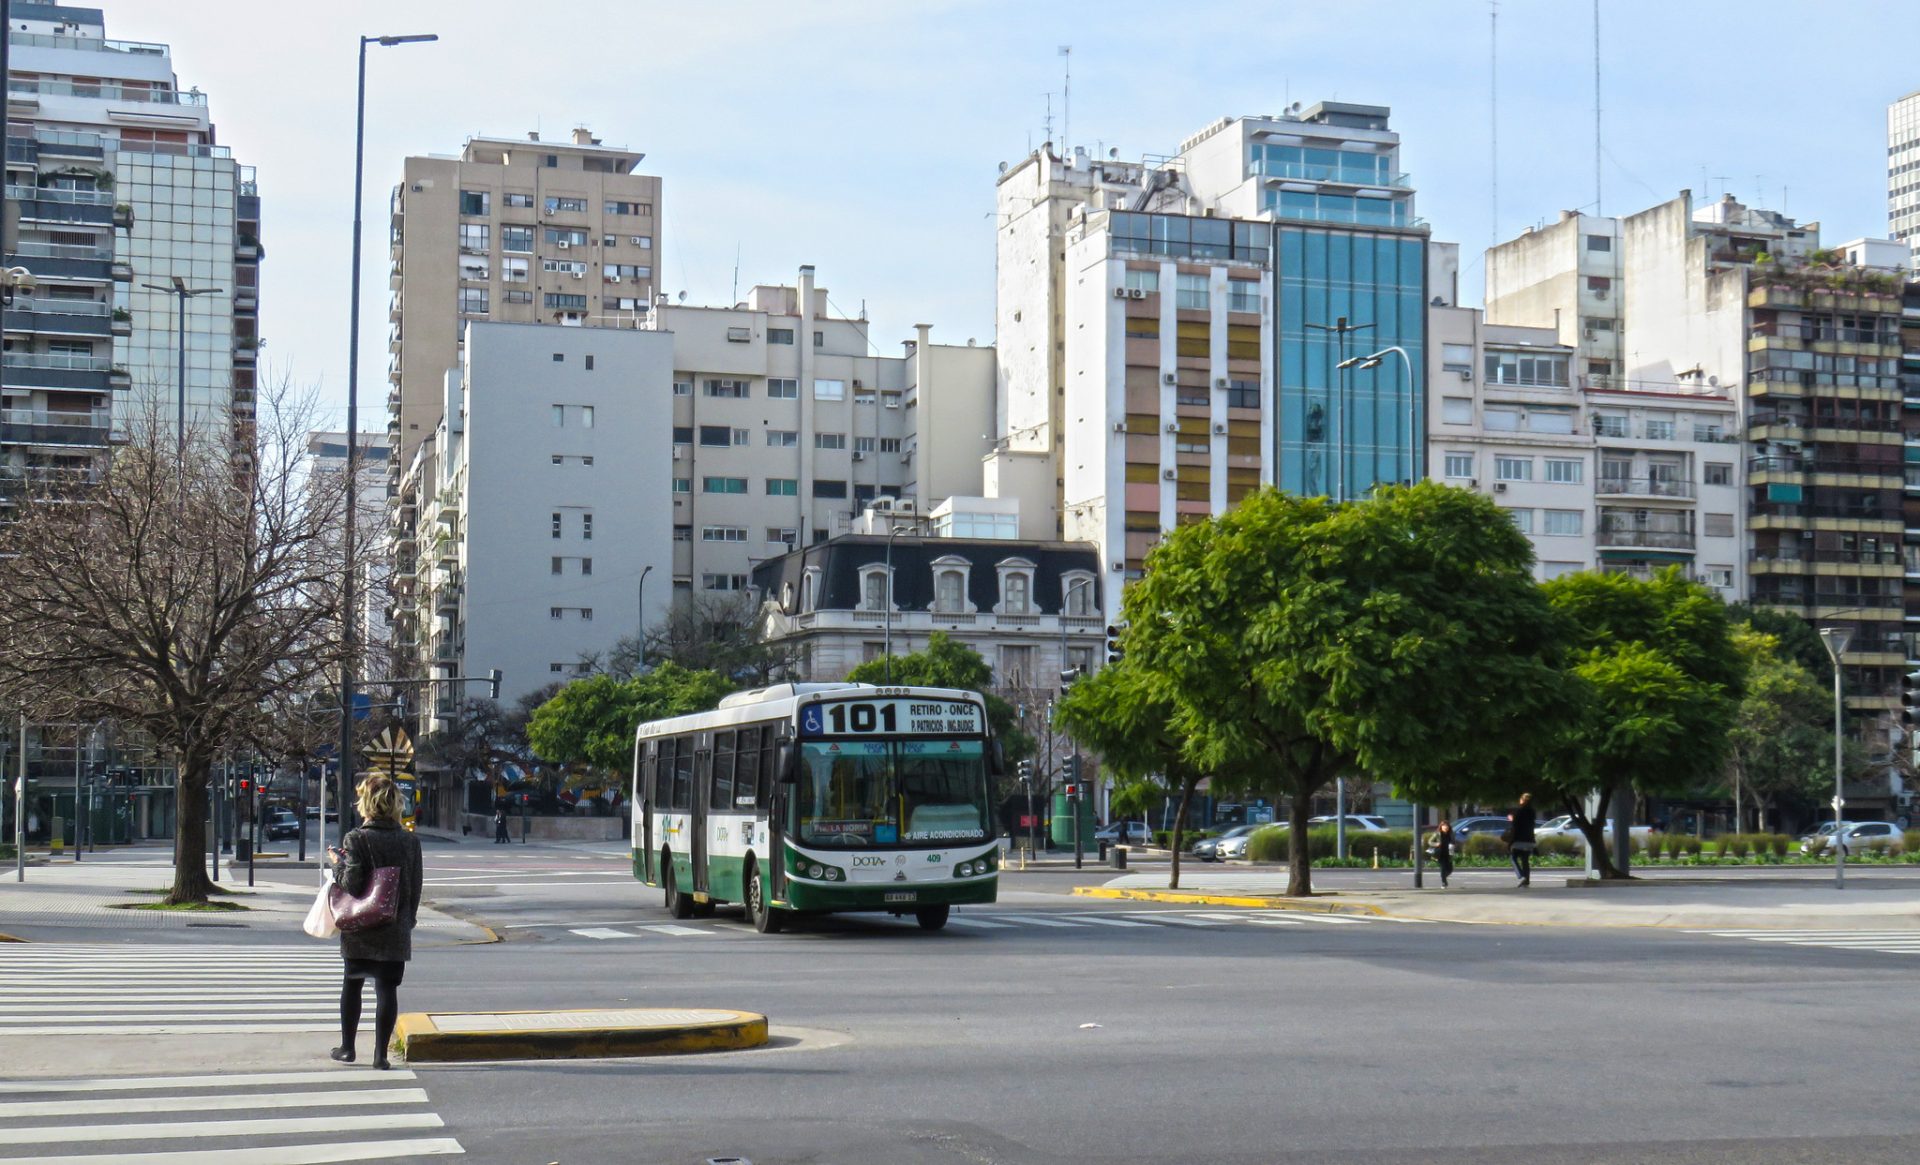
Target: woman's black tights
(386,1009)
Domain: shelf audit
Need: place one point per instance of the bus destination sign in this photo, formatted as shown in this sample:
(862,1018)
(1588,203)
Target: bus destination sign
(907,717)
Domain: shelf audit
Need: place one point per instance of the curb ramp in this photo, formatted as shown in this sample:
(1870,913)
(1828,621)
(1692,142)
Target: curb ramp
(452,1037)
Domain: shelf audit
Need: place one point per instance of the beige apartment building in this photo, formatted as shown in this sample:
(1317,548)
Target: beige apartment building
(510,231)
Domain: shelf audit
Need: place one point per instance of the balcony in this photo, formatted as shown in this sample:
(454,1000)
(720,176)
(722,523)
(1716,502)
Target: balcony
(1688,388)
(34,427)
(1649,487)
(1641,538)
(53,370)
(103,91)
(1790,466)
(59,317)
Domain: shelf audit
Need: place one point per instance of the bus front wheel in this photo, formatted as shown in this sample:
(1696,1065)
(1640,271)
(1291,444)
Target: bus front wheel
(932,917)
(765,918)
(678,905)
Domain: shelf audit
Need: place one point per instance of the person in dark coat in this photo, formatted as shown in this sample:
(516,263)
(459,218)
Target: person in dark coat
(1443,850)
(379,953)
(1520,839)
(500,827)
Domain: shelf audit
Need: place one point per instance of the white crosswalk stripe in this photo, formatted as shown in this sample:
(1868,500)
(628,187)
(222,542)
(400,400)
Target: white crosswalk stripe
(379,1116)
(1888,942)
(965,919)
(159,990)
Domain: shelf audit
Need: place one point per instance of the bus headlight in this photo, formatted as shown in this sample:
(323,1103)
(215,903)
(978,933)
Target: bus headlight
(833,875)
(963,870)
(814,871)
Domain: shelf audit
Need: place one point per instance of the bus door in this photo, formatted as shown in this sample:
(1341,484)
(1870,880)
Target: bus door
(644,802)
(697,815)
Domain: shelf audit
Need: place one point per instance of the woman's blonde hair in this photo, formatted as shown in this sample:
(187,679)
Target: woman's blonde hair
(379,798)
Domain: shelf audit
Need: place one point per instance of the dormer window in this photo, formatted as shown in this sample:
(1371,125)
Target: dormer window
(874,594)
(950,585)
(1077,595)
(809,589)
(1016,587)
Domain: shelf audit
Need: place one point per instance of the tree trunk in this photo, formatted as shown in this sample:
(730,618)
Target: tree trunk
(1299,860)
(1180,826)
(1739,809)
(1595,834)
(190,881)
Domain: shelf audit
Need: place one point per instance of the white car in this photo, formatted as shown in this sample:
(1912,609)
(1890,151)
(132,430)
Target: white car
(1563,826)
(1855,837)
(1364,822)
(1234,848)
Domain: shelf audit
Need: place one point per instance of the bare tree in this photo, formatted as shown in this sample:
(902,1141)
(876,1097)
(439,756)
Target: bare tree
(179,594)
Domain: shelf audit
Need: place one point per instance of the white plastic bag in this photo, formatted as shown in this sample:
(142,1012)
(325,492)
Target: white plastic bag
(319,921)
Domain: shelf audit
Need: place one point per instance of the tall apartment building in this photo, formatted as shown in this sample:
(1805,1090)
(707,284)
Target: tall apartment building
(114,180)
(511,231)
(1728,301)
(1903,169)
(327,464)
(1171,330)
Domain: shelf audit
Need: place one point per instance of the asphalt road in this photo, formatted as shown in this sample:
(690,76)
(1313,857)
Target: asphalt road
(1065,1030)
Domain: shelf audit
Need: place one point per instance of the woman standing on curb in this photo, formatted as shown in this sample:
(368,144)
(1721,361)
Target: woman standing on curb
(379,953)
(1520,840)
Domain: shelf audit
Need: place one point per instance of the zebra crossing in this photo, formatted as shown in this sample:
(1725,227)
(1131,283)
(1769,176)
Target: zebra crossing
(1889,942)
(157,990)
(261,1118)
(1132,921)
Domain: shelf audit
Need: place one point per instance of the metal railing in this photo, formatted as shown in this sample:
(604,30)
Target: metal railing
(56,194)
(1643,486)
(60,361)
(1594,383)
(63,251)
(105,91)
(1778,464)
(1307,172)
(1846,557)
(64,307)
(95,44)
(1647,539)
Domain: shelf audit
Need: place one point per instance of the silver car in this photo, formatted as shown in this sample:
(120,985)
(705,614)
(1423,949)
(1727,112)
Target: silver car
(1855,837)
(1209,850)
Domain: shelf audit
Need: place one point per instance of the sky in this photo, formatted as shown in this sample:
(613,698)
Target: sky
(864,136)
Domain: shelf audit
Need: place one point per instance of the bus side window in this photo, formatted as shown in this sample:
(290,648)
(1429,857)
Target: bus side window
(746,772)
(720,794)
(769,765)
(683,774)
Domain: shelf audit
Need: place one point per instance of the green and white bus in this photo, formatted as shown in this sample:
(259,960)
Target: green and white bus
(819,798)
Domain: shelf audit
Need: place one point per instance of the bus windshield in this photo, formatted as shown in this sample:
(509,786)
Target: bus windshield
(856,794)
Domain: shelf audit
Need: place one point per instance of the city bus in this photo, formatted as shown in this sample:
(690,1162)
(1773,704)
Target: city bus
(818,798)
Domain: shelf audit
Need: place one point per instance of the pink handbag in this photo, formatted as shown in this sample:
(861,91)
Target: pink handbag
(379,906)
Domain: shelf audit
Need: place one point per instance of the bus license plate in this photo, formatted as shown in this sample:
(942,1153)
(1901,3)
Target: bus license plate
(903,896)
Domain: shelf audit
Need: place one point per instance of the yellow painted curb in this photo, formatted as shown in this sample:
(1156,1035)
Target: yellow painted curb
(421,1040)
(7,938)
(1320,905)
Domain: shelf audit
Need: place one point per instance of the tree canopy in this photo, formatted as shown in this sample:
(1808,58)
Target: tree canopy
(1780,747)
(948,663)
(592,720)
(1400,637)
(1123,715)
(1658,684)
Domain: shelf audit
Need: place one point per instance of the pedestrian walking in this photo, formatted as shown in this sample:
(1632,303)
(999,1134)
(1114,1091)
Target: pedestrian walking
(1520,839)
(500,827)
(1442,842)
(379,953)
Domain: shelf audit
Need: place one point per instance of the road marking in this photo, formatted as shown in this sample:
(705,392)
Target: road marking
(283,1155)
(178,1130)
(977,923)
(1103,920)
(243,1101)
(670,928)
(601,932)
(183,1027)
(234,1080)
(1175,919)
(1036,920)
(1887,942)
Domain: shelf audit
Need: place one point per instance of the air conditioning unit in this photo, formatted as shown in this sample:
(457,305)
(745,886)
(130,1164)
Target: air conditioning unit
(1591,334)
(1166,378)
(1219,430)
(1466,374)
(1136,293)
(613,279)
(1122,293)
(859,455)
(563,245)
(856,382)
(1119,426)
(1473,483)
(1169,474)
(1173,427)
(679,452)
(1219,382)
(1499,487)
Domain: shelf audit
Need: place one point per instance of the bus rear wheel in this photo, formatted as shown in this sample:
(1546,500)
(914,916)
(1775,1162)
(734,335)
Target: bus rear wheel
(932,917)
(678,905)
(760,912)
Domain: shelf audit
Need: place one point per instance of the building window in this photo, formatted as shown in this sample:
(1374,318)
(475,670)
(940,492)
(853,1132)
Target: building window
(1597,324)
(1016,587)
(784,536)
(518,201)
(1717,525)
(563,238)
(782,438)
(586,527)
(728,389)
(1660,430)
(559,205)
(1146,282)
(1599,283)
(1500,420)
(473,301)
(829,488)
(627,208)
(723,534)
(1718,576)
(476,202)
(1460,465)
(1077,593)
(683,388)
(1599,243)
(586,614)
(783,487)
(819,339)
(574,302)
(723,582)
(779,335)
(950,586)
(829,440)
(1190,291)
(1243,295)
(1243,394)
(586,411)
(1456,410)
(1563,523)
(683,533)
(558,564)
(889,444)
(1565,472)
(586,566)
(519,240)
(1457,357)
(559,415)
(555,612)
(1719,473)
(473,238)
(783,389)
(1016,664)
(863,444)
(873,587)
(519,297)
(1513,468)
(1522,520)
(1143,327)
(743,436)
(829,390)
(683,485)
(716,436)
(723,485)
(514,270)
(556,526)
(1609,426)
(1535,368)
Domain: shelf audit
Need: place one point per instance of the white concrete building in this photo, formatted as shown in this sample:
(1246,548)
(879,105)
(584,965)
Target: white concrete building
(1903,169)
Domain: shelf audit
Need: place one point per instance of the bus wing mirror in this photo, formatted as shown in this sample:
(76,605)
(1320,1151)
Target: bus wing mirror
(789,763)
(997,758)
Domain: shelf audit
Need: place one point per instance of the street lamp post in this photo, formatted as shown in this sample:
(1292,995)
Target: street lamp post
(1066,601)
(641,600)
(1372,360)
(1836,640)
(347,637)
(179,289)
(886,605)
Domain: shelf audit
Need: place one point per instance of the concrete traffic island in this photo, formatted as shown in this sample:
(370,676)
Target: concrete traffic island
(454,1036)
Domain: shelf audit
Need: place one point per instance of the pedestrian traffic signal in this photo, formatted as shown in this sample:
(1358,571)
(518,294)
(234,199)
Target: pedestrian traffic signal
(1072,768)
(1026,771)
(1072,790)
(1113,643)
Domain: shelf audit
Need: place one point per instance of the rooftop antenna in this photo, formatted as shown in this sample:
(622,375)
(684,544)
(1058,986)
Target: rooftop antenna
(736,273)
(1493,113)
(1066,101)
(1049,122)
(1597,208)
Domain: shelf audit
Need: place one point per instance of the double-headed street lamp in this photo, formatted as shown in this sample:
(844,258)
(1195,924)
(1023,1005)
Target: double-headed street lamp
(347,636)
(1372,360)
(1836,640)
(179,289)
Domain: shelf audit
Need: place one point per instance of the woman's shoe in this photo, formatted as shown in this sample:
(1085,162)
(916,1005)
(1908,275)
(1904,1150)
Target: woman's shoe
(344,1055)
(382,1064)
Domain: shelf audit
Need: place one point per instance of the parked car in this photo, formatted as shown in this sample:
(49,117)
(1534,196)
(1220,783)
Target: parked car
(1208,849)
(281,823)
(1366,822)
(1854,837)
(1466,827)
(1125,833)
(1233,848)
(1824,830)
(1563,826)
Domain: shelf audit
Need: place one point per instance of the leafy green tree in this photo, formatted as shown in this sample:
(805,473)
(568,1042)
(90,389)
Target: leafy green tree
(592,720)
(948,663)
(1659,682)
(1795,638)
(1781,743)
(1120,713)
(1401,637)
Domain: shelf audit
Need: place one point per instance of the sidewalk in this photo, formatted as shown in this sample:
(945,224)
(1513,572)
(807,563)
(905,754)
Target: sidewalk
(65,894)
(1784,903)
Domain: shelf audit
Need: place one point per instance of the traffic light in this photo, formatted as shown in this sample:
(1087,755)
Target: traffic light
(493,678)
(1071,677)
(1113,643)
(1072,770)
(1026,771)
(1910,700)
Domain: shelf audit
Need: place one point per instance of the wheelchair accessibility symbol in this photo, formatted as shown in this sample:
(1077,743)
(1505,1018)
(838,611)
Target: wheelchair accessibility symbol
(810,723)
